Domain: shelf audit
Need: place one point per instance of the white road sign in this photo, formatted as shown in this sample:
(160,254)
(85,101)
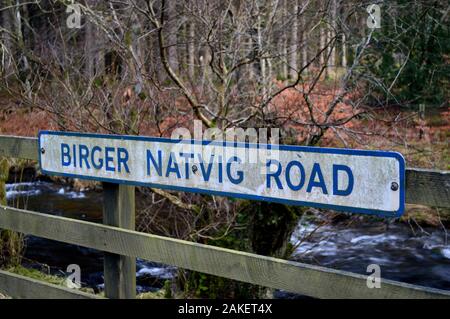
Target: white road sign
(371,182)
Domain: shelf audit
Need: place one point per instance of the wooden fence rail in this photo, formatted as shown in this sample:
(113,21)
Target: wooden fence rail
(24,287)
(265,271)
(424,187)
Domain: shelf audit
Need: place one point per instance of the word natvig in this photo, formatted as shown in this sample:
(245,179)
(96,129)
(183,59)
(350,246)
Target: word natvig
(226,169)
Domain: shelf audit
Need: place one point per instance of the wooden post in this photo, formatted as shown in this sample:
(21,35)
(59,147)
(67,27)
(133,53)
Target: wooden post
(4,170)
(119,211)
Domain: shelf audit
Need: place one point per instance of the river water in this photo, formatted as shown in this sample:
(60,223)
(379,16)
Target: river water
(54,257)
(417,256)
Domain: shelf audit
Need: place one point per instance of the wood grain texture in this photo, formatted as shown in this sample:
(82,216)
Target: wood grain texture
(265,271)
(423,186)
(119,270)
(428,187)
(19,147)
(17,286)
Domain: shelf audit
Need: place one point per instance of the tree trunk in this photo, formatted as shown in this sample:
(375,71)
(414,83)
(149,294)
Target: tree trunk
(294,43)
(344,51)
(304,44)
(22,60)
(11,243)
(262,62)
(99,52)
(191,50)
(89,49)
(250,67)
(327,52)
(284,48)
(283,44)
(332,34)
(171,20)
(7,53)
(322,45)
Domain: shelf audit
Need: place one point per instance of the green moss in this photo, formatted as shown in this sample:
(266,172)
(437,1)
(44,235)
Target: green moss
(11,243)
(281,77)
(167,289)
(269,227)
(41,276)
(36,274)
(152,295)
(4,169)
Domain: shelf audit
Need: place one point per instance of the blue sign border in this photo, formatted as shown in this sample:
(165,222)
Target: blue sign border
(293,148)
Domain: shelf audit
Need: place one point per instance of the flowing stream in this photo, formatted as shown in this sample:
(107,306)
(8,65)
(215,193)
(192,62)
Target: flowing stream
(54,257)
(420,256)
(412,255)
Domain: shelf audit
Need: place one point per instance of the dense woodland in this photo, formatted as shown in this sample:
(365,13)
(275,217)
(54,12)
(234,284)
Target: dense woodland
(315,69)
(128,63)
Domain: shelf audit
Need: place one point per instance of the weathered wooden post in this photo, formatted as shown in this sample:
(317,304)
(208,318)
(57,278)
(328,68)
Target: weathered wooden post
(4,234)
(4,170)
(119,211)
(10,241)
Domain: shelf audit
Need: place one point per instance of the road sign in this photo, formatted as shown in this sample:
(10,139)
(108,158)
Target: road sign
(371,182)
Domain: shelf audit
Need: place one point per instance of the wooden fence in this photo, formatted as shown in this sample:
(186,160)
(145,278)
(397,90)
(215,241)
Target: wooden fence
(122,245)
